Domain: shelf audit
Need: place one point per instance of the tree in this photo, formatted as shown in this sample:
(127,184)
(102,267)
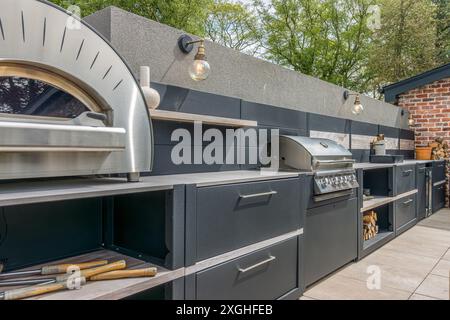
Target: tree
(443,30)
(327,39)
(405,44)
(234,26)
(188,15)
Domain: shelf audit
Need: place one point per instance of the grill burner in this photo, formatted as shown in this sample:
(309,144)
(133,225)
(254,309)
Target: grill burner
(331,164)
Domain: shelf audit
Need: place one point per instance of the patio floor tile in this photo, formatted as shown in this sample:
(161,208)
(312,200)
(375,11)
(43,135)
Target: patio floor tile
(343,288)
(435,287)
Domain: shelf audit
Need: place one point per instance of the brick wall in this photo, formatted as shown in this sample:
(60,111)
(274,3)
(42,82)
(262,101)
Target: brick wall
(430,108)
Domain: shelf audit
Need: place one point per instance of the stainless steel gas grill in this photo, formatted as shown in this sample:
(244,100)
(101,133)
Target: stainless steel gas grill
(331,220)
(69,105)
(330,162)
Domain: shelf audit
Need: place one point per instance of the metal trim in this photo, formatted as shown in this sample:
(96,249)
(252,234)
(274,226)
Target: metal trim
(439,183)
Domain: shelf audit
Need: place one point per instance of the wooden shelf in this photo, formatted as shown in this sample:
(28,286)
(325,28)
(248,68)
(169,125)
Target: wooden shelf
(381,201)
(111,289)
(376,202)
(164,115)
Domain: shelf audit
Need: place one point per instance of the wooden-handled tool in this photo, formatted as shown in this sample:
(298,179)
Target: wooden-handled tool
(36,290)
(55,269)
(123,274)
(87,273)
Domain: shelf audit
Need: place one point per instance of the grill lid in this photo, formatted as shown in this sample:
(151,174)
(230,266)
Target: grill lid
(314,154)
(318,147)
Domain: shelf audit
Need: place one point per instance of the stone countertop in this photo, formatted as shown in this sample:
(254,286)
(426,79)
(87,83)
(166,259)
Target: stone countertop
(37,191)
(223,177)
(369,165)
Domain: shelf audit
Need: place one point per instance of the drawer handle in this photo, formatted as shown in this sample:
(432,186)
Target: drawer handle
(244,270)
(407,172)
(255,195)
(408,202)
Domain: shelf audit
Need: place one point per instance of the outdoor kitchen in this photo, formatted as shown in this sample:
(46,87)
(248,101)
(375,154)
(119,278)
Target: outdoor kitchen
(135,168)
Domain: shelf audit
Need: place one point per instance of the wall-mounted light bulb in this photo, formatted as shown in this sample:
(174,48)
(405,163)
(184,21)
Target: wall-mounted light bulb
(200,69)
(357,106)
(411,121)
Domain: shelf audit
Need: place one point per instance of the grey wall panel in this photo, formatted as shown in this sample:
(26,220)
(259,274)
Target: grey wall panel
(191,101)
(268,115)
(163,131)
(319,122)
(163,164)
(407,134)
(362,129)
(389,131)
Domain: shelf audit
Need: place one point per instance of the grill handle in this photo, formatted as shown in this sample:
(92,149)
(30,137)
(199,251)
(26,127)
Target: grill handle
(318,163)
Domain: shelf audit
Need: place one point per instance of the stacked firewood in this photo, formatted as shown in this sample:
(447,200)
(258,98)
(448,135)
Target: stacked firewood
(370,227)
(440,149)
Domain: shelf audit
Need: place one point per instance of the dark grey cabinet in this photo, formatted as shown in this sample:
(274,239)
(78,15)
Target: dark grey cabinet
(421,191)
(438,171)
(226,218)
(331,238)
(405,179)
(438,197)
(439,181)
(405,213)
(266,274)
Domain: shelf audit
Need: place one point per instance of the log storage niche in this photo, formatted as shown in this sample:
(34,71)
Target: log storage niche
(370,226)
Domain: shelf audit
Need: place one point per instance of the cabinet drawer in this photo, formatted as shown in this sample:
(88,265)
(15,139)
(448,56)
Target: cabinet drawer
(438,197)
(405,179)
(233,216)
(266,274)
(405,211)
(438,171)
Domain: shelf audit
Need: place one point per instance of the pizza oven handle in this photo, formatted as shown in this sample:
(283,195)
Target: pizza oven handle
(96,116)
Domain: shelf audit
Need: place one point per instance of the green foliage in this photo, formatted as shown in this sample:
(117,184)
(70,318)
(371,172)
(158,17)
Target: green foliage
(443,30)
(328,39)
(188,15)
(234,26)
(405,44)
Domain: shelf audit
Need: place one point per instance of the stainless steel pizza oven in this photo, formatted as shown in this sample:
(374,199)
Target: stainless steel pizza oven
(331,164)
(69,105)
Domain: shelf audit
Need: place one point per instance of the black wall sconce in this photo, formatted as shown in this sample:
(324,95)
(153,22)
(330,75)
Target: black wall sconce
(199,69)
(357,106)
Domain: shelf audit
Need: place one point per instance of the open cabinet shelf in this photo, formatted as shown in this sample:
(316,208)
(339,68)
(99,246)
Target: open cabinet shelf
(110,289)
